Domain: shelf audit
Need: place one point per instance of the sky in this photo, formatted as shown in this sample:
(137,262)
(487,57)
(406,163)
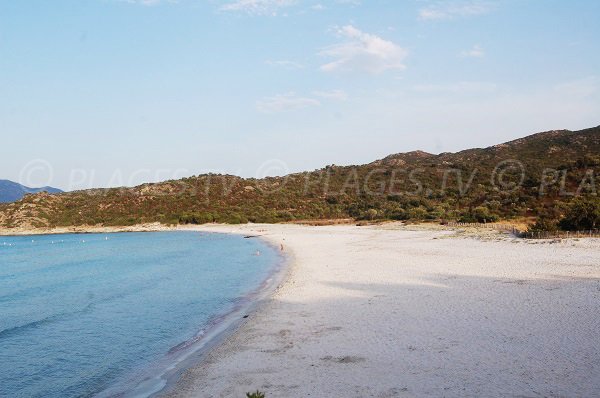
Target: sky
(99,93)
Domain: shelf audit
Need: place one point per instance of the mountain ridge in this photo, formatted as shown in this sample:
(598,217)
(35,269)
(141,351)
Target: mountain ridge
(413,185)
(11,191)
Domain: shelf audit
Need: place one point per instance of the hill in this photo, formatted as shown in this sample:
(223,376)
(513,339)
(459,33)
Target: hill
(11,191)
(532,176)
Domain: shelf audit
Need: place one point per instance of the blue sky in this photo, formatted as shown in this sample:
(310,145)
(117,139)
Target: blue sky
(117,92)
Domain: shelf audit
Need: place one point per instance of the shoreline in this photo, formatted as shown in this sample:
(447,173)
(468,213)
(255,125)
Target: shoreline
(386,311)
(390,310)
(228,324)
(159,377)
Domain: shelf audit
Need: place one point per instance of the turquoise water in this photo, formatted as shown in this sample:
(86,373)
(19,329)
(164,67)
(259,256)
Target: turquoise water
(78,313)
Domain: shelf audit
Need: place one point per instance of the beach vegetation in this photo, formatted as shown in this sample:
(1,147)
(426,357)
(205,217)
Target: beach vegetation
(544,224)
(582,214)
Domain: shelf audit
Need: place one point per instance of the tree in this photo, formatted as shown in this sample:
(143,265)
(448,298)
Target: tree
(582,214)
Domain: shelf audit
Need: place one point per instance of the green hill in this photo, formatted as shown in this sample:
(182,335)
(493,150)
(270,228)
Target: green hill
(532,176)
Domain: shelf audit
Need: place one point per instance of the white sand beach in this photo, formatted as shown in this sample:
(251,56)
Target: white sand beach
(385,311)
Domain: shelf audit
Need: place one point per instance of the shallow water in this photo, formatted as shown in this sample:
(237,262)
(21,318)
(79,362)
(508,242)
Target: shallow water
(80,312)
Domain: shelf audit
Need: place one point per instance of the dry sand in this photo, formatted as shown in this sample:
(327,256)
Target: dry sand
(385,311)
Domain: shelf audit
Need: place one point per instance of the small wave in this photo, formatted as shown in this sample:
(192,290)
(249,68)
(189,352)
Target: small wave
(15,330)
(187,343)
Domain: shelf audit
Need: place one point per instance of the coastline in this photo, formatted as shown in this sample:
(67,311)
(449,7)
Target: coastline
(160,377)
(386,311)
(226,325)
(391,310)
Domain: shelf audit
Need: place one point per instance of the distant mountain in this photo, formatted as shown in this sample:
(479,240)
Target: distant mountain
(11,191)
(529,177)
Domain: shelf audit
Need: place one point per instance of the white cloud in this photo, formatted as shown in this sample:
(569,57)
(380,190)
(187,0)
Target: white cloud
(318,7)
(285,102)
(454,9)
(285,64)
(475,52)
(258,7)
(339,95)
(363,51)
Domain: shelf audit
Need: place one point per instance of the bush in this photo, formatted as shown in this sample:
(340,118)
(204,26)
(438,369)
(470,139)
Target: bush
(582,214)
(233,218)
(398,214)
(483,214)
(370,214)
(436,212)
(544,224)
(196,218)
(467,218)
(284,216)
(256,394)
(417,213)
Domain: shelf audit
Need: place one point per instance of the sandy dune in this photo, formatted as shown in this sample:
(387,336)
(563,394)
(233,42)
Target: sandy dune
(386,312)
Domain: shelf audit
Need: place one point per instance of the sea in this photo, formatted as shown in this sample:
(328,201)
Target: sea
(86,315)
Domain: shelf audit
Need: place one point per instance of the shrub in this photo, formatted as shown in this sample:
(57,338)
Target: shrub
(544,224)
(233,218)
(398,214)
(467,218)
(394,198)
(436,212)
(417,213)
(582,214)
(370,214)
(284,216)
(256,394)
(483,214)
(196,218)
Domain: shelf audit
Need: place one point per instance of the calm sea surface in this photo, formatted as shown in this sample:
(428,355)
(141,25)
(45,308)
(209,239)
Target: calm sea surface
(80,312)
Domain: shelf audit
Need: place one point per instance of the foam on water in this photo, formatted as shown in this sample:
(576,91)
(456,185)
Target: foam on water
(80,314)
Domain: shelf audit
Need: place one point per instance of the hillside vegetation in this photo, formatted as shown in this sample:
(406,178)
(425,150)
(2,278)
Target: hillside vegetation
(538,176)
